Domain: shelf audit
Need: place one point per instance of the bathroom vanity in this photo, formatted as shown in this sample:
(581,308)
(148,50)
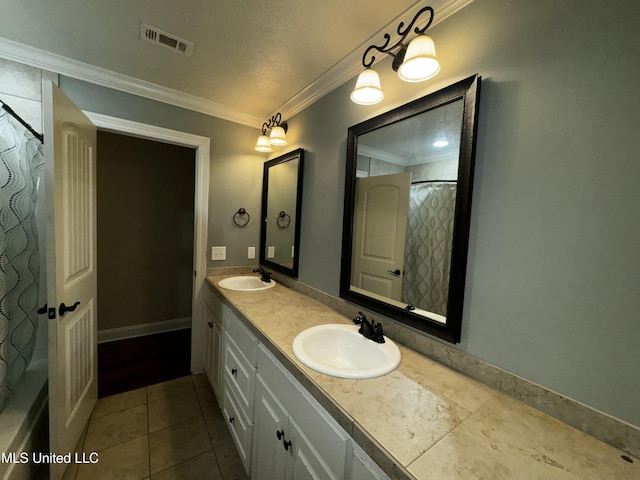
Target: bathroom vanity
(421,421)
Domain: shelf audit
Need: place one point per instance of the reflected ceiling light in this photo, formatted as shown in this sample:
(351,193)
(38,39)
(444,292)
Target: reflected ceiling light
(277,136)
(440,143)
(416,62)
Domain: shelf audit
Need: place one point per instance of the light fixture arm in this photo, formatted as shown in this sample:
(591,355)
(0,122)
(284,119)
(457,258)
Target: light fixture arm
(399,56)
(275,121)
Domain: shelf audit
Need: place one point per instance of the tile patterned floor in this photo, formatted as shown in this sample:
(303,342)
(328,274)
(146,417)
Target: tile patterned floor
(168,431)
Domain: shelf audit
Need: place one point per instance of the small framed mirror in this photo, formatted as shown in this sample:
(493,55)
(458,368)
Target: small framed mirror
(407,210)
(281,202)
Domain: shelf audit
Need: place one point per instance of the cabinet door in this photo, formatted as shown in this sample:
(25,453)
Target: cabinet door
(363,468)
(208,345)
(307,462)
(269,432)
(216,358)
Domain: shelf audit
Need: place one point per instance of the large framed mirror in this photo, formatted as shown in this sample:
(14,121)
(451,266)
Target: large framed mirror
(281,202)
(407,208)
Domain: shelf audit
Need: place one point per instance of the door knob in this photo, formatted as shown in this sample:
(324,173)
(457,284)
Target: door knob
(64,309)
(395,272)
(42,309)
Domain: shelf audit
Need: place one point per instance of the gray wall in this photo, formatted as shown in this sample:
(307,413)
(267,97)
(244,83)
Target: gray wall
(145,193)
(554,262)
(552,284)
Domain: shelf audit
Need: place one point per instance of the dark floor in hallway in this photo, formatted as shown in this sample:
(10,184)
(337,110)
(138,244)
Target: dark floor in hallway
(133,363)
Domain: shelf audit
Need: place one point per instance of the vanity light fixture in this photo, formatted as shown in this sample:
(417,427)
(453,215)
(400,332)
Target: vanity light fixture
(277,136)
(414,62)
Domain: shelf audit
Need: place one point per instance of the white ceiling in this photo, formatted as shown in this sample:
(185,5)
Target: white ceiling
(250,59)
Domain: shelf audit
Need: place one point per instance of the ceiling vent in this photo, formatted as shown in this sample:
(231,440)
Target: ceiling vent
(164,39)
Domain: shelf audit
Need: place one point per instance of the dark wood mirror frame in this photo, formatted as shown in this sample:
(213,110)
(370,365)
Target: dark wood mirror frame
(287,157)
(467,90)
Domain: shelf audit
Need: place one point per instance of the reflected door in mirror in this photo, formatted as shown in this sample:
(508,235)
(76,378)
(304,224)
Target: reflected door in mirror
(380,224)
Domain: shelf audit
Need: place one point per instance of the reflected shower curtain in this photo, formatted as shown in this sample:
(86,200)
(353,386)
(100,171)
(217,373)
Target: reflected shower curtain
(21,160)
(428,248)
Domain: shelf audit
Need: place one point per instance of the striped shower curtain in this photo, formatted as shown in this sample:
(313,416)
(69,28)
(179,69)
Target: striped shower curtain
(21,161)
(428,247)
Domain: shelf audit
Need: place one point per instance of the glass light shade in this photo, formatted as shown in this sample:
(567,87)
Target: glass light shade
(420,62)
(278,137)
(263,144)
(367,91)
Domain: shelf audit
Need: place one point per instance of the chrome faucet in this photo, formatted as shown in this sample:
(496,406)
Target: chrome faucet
(264,275)
(370,330)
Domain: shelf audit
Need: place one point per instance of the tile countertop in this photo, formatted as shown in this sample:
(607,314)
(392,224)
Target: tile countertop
(424,420)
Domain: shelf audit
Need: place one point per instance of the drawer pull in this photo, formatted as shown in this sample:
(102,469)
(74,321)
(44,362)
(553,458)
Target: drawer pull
(231,419)
(280,435)
(234,372)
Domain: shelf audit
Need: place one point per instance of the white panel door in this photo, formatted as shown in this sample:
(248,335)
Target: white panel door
(307,463)
(70,182)
(380,228)
(269,434)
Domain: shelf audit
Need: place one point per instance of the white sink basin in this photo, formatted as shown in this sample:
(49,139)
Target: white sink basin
(340,351)
(245,284)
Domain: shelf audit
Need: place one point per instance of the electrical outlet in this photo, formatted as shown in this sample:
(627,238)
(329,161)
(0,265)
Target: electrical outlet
(251,252)
(271,252)
(218,253)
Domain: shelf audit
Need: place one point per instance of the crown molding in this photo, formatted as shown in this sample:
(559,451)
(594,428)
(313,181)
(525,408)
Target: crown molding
(345,69)
(61,65)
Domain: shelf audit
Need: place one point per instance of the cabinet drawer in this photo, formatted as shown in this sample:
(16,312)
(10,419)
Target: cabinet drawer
(239,374)
(212,301)
(245,341)
(239,426)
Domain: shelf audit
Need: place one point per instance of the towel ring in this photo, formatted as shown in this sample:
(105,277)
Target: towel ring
(283,220)
(241,213)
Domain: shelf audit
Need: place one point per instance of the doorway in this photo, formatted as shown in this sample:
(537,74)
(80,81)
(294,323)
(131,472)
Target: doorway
(201,146)
(145,212)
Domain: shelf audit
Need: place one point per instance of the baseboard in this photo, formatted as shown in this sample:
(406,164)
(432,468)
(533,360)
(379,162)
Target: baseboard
(140,330)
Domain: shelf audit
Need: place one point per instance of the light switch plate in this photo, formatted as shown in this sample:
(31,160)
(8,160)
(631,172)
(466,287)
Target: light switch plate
(251,252)
(218,253)
(271,252)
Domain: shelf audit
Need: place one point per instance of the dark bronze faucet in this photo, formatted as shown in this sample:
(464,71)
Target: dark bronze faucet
(370,330)
(264,275)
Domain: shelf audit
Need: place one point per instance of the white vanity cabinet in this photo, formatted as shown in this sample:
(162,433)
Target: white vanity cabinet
(238,378)
(293,436)
(213,314)
(280,430)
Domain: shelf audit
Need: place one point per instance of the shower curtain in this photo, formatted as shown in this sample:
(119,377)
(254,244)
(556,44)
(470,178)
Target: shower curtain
(21,160)
(428,247)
